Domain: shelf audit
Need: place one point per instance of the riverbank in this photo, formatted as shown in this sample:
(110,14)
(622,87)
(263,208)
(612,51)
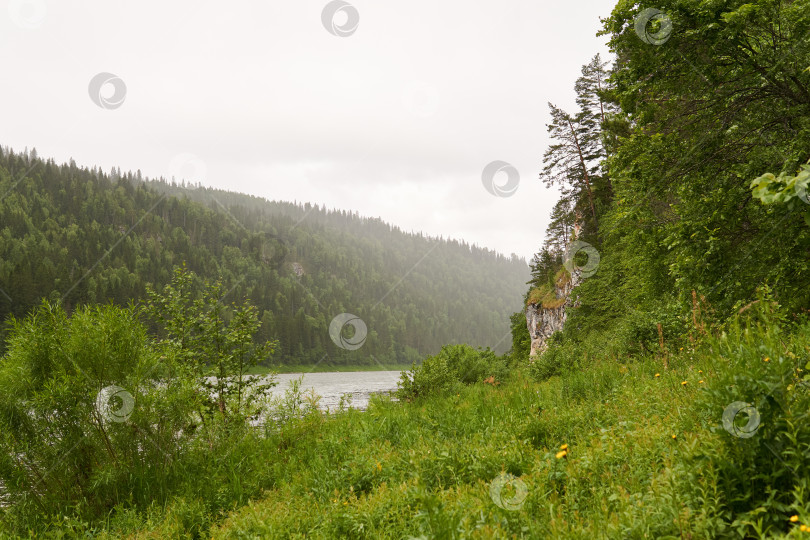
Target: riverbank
(592,454)
(609,448)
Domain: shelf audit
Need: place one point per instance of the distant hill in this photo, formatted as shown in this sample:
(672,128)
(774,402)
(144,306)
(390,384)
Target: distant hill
(83,236)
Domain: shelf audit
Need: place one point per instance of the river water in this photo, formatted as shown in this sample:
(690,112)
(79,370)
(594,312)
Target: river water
(359,385)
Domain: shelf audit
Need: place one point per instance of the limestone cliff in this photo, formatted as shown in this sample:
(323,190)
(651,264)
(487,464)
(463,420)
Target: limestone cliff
(545,312)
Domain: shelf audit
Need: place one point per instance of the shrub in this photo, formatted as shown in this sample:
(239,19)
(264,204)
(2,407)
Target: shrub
(454,365)
(95,415)
(82,416)
(761,394)
(563,354)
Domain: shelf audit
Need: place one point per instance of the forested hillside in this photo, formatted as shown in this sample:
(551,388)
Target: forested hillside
(81,236)
(657,165)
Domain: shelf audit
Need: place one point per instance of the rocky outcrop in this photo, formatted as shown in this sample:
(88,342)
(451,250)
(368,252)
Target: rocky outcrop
(545,313)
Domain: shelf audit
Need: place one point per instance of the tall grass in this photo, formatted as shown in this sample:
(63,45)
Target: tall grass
(609,449)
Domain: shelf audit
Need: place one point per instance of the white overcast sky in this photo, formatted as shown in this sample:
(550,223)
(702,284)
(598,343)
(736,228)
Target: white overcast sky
(395,121)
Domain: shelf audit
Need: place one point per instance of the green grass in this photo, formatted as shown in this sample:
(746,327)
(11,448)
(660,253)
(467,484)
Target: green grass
(426,468)
(646,457)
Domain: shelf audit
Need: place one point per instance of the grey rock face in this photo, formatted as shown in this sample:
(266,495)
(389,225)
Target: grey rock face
(544,321)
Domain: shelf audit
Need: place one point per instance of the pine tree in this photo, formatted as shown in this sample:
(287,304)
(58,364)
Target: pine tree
(560,227)
(570,161)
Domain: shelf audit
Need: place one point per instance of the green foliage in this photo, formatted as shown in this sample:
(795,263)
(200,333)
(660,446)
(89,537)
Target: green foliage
(782,189)
(791,190)
(453,367)
(521,340)
(95,415)
(555,360)
(544,265)
(675,209)
(214,345)
(702,127)
(645,455)
(89,237)
(61,442)
(764,465)
(573,159)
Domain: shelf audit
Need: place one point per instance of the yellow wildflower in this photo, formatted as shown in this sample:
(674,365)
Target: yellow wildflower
(674,436)
(564,447)
(794,519)
(561,454)
(767,359)
(804,528)
(700,382)
(684,383)
(657,374)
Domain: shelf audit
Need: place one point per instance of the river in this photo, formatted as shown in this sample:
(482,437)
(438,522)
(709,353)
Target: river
(332,385)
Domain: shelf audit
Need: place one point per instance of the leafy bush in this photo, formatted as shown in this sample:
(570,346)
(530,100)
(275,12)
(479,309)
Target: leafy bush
(83,416)
(637,331)
(96,415)
(455,365)
(213,346)
(762,392)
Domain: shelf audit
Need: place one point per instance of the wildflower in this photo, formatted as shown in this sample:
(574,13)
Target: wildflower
(794,519)
(804,528)
(767,359)
(684,383)
(564,447)
(700,382)
(681,348)
(700,371)
(657,374)
(674,436)
(561,454)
